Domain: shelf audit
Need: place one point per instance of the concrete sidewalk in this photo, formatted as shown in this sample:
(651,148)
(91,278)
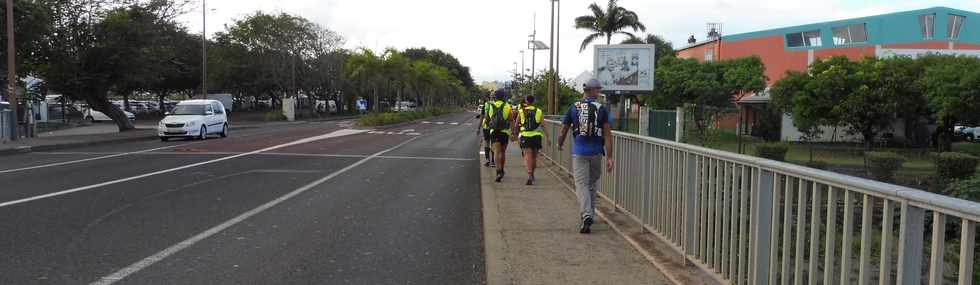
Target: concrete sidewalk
(531,235)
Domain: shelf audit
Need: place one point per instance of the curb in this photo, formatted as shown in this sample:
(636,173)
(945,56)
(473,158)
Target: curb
(636,245)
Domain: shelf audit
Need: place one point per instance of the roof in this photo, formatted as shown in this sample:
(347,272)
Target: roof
(884,20)
(197,102)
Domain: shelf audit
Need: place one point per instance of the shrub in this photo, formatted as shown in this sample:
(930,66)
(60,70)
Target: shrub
(882,165)
(817,164)
(776,151)
(274,115)
(954,166)
(965,189)
(389,118)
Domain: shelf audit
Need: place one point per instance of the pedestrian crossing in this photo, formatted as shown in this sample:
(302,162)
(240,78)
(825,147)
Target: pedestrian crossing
(446,123)
(407,132)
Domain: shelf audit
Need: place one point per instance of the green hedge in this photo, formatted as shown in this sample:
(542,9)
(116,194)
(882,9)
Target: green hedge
(965,189)
(883,165)
(817,164)
(389,118)
(774,151)
(952,166)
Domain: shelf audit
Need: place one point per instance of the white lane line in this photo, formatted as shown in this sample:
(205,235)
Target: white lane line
(89,187)
(454,123)
(426,158)
(146,262)
(89,159)
(440,123)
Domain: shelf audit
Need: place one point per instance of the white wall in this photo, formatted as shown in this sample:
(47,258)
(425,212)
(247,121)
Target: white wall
(790,133)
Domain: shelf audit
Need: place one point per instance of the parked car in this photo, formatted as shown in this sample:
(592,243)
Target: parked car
(194,119)
(96,116)
(970,134)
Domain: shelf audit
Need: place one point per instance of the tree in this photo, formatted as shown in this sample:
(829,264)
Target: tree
(663,48)
(32,20)
(364,66)
(606,23)
(808,113)
(95,47)
(952,88)
(440,58)
(708,87)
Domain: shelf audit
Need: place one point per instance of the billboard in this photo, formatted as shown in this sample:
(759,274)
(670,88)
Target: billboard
(627,67)
(915,53)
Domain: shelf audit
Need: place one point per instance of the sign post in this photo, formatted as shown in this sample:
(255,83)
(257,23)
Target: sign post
(624,70)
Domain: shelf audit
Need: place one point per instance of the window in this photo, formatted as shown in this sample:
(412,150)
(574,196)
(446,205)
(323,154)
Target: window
(927,23)
(804,39)
(850,34)
(954,25)
(217,109)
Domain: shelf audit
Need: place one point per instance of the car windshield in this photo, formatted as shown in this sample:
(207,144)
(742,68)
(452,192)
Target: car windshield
(188,110)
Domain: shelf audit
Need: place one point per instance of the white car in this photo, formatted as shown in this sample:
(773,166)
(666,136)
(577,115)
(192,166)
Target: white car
(96,116)
(194,119)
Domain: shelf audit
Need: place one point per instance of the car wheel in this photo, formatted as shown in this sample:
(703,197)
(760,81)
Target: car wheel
(224,130)
(163,139)
(204,133)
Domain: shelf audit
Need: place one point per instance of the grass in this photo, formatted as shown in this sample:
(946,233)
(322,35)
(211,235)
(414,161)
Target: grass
(389,118)
(920,166)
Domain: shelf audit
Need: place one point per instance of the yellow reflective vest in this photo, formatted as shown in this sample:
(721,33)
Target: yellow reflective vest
(522,117)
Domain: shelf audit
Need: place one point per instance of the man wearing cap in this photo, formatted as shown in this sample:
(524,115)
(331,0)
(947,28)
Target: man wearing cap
(499,117)
(592,138)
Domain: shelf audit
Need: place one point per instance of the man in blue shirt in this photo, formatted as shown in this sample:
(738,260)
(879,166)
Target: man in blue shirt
(592,134)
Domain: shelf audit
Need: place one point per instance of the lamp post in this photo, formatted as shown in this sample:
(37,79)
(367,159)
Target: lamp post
(11,68)
(551,63)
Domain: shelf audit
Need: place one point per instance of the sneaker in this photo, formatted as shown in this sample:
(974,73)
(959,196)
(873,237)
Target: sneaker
(487,164)
(500,176)
(530,181)
(586,226)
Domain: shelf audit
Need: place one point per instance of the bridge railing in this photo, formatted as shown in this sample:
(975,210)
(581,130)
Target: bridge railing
(748,220)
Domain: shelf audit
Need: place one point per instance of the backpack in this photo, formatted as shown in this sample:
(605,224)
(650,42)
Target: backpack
(497,120)
(588,118)
(530,119)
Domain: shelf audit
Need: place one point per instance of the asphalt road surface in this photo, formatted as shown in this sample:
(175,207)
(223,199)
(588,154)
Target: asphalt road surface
(316,203)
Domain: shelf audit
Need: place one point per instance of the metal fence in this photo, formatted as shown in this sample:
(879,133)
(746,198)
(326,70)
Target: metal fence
(748,220)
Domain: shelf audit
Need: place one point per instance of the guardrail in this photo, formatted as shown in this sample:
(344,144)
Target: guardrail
(748,220)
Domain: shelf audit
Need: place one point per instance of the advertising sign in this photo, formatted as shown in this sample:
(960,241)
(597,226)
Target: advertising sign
(627,67)
(915,53)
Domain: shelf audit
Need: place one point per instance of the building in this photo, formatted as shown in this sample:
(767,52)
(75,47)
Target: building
(938,30)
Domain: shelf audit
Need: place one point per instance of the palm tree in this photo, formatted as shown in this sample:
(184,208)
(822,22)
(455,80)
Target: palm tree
(606,23)
(365,67)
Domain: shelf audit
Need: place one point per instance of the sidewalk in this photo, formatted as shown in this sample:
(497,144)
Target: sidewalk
(531,235)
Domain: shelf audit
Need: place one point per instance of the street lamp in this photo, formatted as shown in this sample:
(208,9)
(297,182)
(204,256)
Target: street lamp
(534,46)
(553,78)
(204,48)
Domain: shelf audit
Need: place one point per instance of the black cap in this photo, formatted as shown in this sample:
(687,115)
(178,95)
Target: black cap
(529,99)
(501,94)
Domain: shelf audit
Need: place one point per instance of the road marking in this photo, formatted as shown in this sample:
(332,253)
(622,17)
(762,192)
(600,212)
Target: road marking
(426,122)
(147,262)
(440,123)
(414,134)
(90,159)
(454,123)
(107,183)
(426,158)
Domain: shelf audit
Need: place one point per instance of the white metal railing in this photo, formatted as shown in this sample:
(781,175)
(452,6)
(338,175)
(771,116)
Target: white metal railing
(749,220)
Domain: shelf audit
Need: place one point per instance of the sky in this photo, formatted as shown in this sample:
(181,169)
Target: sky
(488,35)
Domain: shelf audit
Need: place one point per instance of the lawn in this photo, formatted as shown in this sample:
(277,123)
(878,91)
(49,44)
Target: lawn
(920,165)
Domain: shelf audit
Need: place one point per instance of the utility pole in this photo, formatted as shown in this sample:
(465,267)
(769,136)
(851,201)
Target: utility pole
(534,51)
(12,68)
(554,97)
(204,49)
(551,63)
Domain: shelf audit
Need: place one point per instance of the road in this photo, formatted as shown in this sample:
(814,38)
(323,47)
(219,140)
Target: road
(316,203)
